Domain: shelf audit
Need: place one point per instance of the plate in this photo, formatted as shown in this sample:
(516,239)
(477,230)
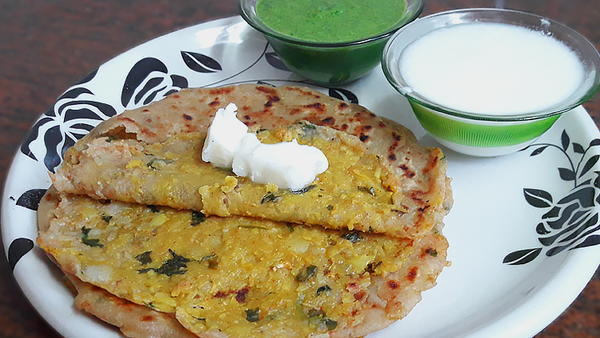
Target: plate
(524,231)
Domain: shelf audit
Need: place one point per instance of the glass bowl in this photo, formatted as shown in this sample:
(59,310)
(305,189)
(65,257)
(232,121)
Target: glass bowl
(481,134)
(328,63)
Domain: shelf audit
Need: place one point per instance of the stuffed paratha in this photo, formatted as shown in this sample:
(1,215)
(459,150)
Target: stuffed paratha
(132,319)
(151,155)
(236,276)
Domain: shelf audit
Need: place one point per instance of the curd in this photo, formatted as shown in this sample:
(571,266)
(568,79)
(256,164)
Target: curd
(491,68)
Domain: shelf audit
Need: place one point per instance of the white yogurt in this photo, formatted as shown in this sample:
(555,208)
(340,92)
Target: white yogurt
(288,165)
(491,68)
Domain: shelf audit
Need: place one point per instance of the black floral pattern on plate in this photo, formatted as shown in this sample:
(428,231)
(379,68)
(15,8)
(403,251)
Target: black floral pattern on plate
(31,198)
(17,249)
(149,80)
(570,221)
(79,110)
(74,114)
(343,94)
(200,63)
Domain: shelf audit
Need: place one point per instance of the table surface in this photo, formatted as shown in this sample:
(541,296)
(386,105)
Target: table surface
(45,46)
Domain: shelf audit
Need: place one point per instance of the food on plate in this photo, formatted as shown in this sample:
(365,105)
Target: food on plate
(132,319)
(159,242)
(330,21)
(379,179)
(235,276)
(287,164)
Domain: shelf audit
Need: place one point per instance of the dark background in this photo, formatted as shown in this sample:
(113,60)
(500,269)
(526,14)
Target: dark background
(47,45)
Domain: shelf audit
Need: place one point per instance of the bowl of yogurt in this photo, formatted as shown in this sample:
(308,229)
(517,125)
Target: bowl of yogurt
(330,42)
(488,82)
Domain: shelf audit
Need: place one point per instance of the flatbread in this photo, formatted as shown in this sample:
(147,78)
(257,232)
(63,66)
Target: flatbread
(377,298)
(132,319)
(118,161)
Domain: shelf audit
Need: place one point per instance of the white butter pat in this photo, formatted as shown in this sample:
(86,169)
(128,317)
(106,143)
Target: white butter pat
(288,165)
(223,137)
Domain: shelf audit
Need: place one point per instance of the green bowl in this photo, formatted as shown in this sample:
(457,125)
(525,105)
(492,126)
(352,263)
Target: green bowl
(480,134)
(328,63)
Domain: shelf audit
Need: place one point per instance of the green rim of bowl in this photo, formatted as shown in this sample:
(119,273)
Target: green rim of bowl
(485,117)
(478,135)
(274,34)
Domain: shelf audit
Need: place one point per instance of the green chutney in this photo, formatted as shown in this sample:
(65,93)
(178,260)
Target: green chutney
(330,20)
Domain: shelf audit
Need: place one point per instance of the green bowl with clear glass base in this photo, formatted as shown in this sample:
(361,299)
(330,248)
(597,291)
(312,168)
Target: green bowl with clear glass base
(325,63)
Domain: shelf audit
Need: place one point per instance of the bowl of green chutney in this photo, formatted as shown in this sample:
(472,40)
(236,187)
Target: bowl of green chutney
(329,42)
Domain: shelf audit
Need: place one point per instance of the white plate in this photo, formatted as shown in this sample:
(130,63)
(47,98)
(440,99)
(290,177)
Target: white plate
(507,277)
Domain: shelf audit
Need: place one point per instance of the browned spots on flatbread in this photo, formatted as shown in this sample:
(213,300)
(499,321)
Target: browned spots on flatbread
(301,91)
(148,132)
(246,117)
(412,274)
(174,107)
(392,157)
(362,131)
(319,107)
(381,124)
(359,295)
(149,120)
(220,294)
(221,91)
(187,117)
(328,121)
(146,110)
(429,251)
(343,105)
(267,90)
(431,164)
(147,318)
(272,98)
(240,295)
(423,208)
(392,284)
(214,102)
(395,143)
(344,127)
(245,108)
(295,111)
(190,127)
(416,196)
(175,96)
(420,212)
(407,172)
